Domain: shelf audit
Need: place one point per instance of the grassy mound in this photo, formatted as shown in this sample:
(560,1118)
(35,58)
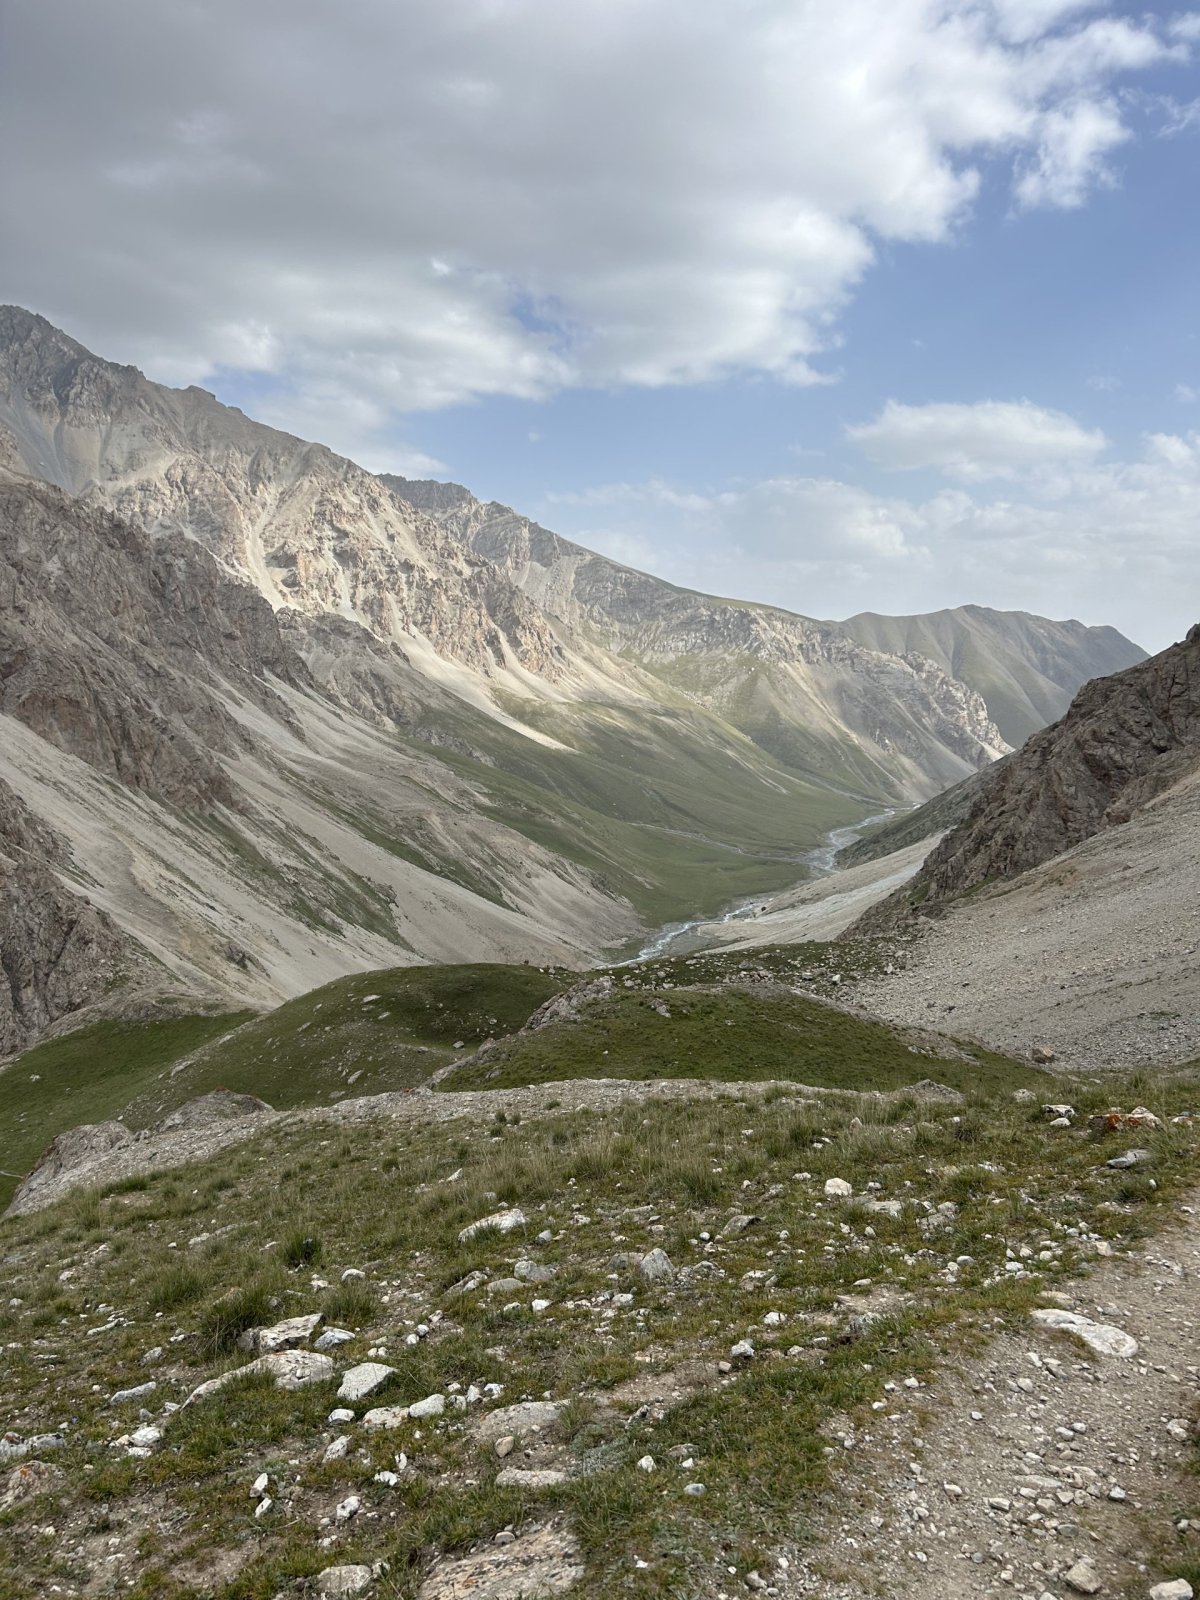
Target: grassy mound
(734,1035)
(89,1076)
(371,1033)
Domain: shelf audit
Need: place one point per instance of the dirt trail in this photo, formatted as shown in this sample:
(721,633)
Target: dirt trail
(1000,1478)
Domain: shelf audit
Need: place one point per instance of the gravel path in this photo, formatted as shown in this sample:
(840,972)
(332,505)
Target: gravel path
(1096,954)
(1001,1478)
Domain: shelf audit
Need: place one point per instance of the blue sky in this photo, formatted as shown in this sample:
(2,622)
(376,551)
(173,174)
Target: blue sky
(843,308)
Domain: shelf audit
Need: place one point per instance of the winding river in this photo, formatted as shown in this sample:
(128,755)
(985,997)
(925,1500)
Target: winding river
(819,861)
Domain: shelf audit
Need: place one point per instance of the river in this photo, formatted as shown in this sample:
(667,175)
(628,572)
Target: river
(822,859)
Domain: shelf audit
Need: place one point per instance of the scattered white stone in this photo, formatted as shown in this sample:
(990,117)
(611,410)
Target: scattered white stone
(336,1450)
(646,1464)
(501,1221)
(283,1335)
(385,1417)
(656,1266)
(742,1351)
(349,1507)
(388,1479)
(364,1379)
(1175,1589)
(531,1478)
(341,1414)
(123,1395)
(259,1487)
(838,1189)
(1083,1577)
(263,1506)
(335,1582)
(332,1337)
(145,1437)
(432,1406)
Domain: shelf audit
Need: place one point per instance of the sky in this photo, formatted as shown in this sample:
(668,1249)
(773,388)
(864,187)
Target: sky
(866,306)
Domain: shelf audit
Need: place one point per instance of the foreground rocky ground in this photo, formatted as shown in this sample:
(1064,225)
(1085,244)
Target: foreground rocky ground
(641,1340)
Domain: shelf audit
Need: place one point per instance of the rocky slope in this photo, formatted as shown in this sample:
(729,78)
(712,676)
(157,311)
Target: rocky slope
(1124,740)
(466,603)
(795,686)
(58,953)
(1026,668)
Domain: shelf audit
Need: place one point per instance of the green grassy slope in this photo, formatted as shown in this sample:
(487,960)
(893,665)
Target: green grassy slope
(672,808)
(371,1033)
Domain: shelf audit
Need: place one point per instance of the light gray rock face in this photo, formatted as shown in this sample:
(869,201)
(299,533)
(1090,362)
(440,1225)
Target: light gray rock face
(544,1562)
(290,1369)
(283,1335)
(57,952)
(336,1582)
(363,1379)
(1104,1339)
(499,1221)
(67,1151)
(525,1417)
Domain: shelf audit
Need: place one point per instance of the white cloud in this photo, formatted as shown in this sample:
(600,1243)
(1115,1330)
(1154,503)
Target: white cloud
(1104,542)
(993,438)
(1186,393)
(394,208)
(1071,156)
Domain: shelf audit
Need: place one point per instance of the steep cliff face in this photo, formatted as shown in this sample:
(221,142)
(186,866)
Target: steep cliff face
(1124,740)
(57,952)
(108,642)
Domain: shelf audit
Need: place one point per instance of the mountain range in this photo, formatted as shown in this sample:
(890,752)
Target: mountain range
(266,717)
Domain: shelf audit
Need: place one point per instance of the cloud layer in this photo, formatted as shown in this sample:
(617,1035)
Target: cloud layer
(1063,537)
(387,207)
(991,439)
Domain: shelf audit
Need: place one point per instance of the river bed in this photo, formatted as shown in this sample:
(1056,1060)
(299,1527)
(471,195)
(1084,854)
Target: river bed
(680,938)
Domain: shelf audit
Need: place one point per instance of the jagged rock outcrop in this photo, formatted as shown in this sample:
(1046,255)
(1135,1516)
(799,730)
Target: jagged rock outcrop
(1124,740)
(64,1153)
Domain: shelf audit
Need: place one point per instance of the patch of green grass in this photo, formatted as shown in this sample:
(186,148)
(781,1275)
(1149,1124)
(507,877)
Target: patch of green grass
(89,1076)
(371,1033)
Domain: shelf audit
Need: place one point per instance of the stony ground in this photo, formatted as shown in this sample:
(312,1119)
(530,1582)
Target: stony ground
(696,1326)
(1040,1467)
(1096,954)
